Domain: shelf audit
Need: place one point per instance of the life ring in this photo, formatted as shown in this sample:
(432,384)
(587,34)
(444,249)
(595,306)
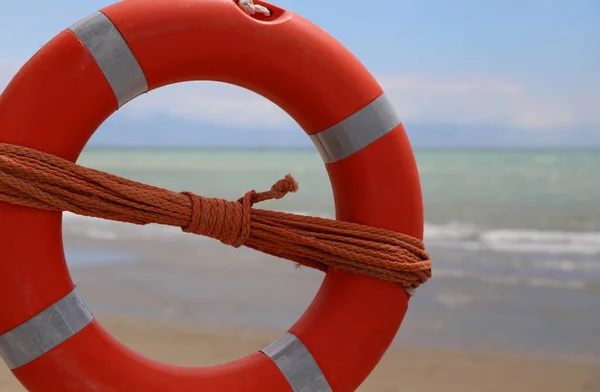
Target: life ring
(51,341)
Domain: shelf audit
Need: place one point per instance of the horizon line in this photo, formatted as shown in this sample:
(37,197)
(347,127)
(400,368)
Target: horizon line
(309,147)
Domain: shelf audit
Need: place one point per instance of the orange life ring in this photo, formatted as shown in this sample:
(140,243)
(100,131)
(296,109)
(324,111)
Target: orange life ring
(50,339)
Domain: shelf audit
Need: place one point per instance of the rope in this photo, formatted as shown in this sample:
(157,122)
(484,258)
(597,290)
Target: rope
(35,179)
(250,8)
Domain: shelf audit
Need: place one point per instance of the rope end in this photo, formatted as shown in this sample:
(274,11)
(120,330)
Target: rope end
(277,191)
(284,186)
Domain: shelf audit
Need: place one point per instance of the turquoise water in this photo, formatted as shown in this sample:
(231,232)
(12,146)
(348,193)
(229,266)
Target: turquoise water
(537,190)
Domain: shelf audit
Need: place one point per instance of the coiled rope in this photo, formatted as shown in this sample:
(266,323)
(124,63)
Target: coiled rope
(35,179)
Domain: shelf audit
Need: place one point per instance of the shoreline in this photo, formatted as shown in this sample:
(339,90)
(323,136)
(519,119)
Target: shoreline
(401,369)
(198,303)
(201,282)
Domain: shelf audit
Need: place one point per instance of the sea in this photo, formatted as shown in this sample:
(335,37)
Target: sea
(514,234)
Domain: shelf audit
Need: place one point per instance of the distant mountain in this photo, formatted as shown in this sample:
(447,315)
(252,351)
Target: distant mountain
(126,131)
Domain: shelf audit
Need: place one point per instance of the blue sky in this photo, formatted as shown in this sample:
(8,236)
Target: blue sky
(460,73)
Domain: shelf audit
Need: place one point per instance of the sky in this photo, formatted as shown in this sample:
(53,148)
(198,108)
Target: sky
(460,73)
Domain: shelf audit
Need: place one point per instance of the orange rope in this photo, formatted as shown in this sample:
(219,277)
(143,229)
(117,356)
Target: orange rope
(35,179)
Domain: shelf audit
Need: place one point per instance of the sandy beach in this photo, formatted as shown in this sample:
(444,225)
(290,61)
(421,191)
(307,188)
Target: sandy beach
(405,369)
(180,302)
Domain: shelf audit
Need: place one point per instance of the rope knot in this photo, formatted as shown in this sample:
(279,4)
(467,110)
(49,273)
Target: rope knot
(227,221)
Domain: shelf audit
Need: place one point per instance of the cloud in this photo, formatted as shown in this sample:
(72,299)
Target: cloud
(418,98)
(425,98)
(211,102)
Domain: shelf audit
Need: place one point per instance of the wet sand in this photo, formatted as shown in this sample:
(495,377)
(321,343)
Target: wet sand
(203,304)
(403,369)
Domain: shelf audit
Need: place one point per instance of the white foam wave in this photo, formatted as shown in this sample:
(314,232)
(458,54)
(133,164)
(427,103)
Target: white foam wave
(515,280)
(526,241)
(541,246)
(560,265)
(542,241)
(451,232)
(95,228)
(464,236)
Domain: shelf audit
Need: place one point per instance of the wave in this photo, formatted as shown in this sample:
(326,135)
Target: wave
(461,235)
(518,280)
(507,240)
(553,259)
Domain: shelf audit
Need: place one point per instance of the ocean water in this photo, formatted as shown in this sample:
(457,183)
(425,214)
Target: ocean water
(535,214)
(514,238)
